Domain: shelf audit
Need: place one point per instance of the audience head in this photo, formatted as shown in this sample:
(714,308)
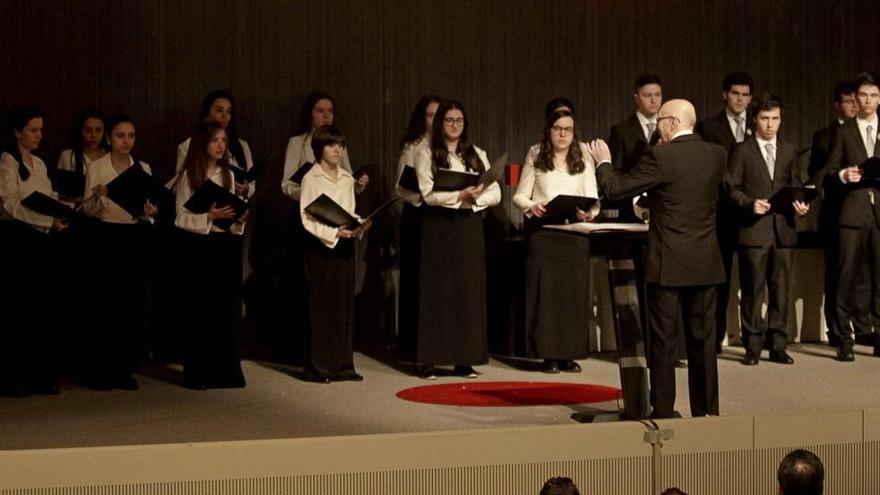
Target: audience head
(767,112)
(867,94)
(845,100)
(736,91)
(559,486)
(328,143)
(121,134)
(648,95)
(421,120)
(801,473)
(674,116)
(318,110)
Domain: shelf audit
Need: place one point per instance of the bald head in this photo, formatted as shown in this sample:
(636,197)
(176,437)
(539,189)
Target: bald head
(681,110)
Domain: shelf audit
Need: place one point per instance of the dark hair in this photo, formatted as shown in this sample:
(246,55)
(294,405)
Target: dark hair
(234,147)
(766,103)
(801,473)
(559,486)
(115,120)
(844,88)
(574,159)
(18,120)
(646,79)
(78,146)
(195,165)
(325,136)
(866,79)
(737,79)
(304,124)
(439,151)
(674,490)
(557,103)
(416,127)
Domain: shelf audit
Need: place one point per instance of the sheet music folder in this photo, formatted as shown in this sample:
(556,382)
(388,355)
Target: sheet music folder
(48,206)
(565,206)
(209,194)
(329,212)
(408,179)
(69,183)
(782,200)
(132,188)
(451,180)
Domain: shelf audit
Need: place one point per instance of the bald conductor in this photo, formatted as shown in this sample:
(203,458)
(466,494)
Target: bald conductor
(684,177)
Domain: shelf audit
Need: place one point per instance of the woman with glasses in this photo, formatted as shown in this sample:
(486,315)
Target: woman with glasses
(557,267)
(452,273)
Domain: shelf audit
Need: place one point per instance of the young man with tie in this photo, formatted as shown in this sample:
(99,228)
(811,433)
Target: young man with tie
(759,168)
(859,219)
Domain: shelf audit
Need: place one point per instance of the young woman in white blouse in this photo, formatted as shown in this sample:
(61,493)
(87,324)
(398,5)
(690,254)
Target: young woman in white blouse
(210,276)
(29,347)
(329,264)
(557,269)
(88,145)
(452,275)
(218,106)
(118,267)
(417,136)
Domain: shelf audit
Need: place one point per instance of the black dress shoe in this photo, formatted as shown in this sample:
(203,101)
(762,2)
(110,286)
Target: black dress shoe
(315,378)
(465,371)
(349,376)
(569,366)
(845,355)
(781,357)
(427,372)
(750,359)
(551,366)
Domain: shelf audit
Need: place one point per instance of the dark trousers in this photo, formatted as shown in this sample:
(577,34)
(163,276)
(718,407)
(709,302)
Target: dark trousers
(764,268)
(858,286)
(727,243)
(667,307)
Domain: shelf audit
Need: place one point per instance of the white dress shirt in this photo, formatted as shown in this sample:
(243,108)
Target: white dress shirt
(199,223)
(101,172)
(183,149)
(540,187)
(644,121)
(408,159)
(299,151)
(317,182)
(13,190)
(490,196)
(67,162)
(762,145)
(731,121)
(863,127)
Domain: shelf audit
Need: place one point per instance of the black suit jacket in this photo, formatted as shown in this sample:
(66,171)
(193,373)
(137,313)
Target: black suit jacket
(627,143)
(848,149)
(820,148)
(717,130)
(684,178)
(750,180)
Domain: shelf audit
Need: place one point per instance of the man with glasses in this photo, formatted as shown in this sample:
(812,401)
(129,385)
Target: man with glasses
(859,219)
(683,175)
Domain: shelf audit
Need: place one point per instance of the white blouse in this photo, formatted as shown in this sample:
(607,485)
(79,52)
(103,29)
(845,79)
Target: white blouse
(67,162)
(316,182)
(408,159)
(539,187)
(101,172)
(299,151)
(13,190)
(491,195)
(199,223)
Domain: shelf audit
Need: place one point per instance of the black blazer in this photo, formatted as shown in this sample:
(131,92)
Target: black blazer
(627,143)
(684,178)
(820,148)
(717,130)
(750,180)
(848,149)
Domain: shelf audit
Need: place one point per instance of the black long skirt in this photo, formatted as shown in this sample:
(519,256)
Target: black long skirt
(452,289)
(408,300)
(212,308)
(329,345)
(557,295)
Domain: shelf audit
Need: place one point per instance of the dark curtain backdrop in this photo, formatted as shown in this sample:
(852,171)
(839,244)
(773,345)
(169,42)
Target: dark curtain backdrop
(503,58)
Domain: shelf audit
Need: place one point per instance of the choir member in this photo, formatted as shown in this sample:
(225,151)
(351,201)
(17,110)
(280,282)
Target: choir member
(417,137)
(118,267)
(452,273)
(329,263)
(88,144)
(210,277)
(28,343)
(557,269)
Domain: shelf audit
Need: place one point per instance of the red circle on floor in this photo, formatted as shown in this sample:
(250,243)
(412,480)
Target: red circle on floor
(510,394)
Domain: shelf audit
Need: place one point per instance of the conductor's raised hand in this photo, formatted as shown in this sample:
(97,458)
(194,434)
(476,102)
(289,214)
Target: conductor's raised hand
(362,182)
(599,151)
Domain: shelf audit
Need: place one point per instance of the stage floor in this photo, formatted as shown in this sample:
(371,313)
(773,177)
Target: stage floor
(276,404)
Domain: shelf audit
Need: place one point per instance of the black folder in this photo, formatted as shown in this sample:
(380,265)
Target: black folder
(209,194)
(328,212)
(301,172)
(243,176)
(871,168)
(132,188)
(564,206)
(408,179)
(48,206)
(494,174)
(69,183)
(782,200)
(450,180)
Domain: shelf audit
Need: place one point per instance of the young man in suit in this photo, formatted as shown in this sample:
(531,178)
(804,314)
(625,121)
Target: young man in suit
(759,168)
(730,127)
(631,138)
(859,219)
(684,176)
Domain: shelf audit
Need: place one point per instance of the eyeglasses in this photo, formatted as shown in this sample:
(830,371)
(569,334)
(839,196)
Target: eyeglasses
(659,119)
(454,121)
(562,131)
